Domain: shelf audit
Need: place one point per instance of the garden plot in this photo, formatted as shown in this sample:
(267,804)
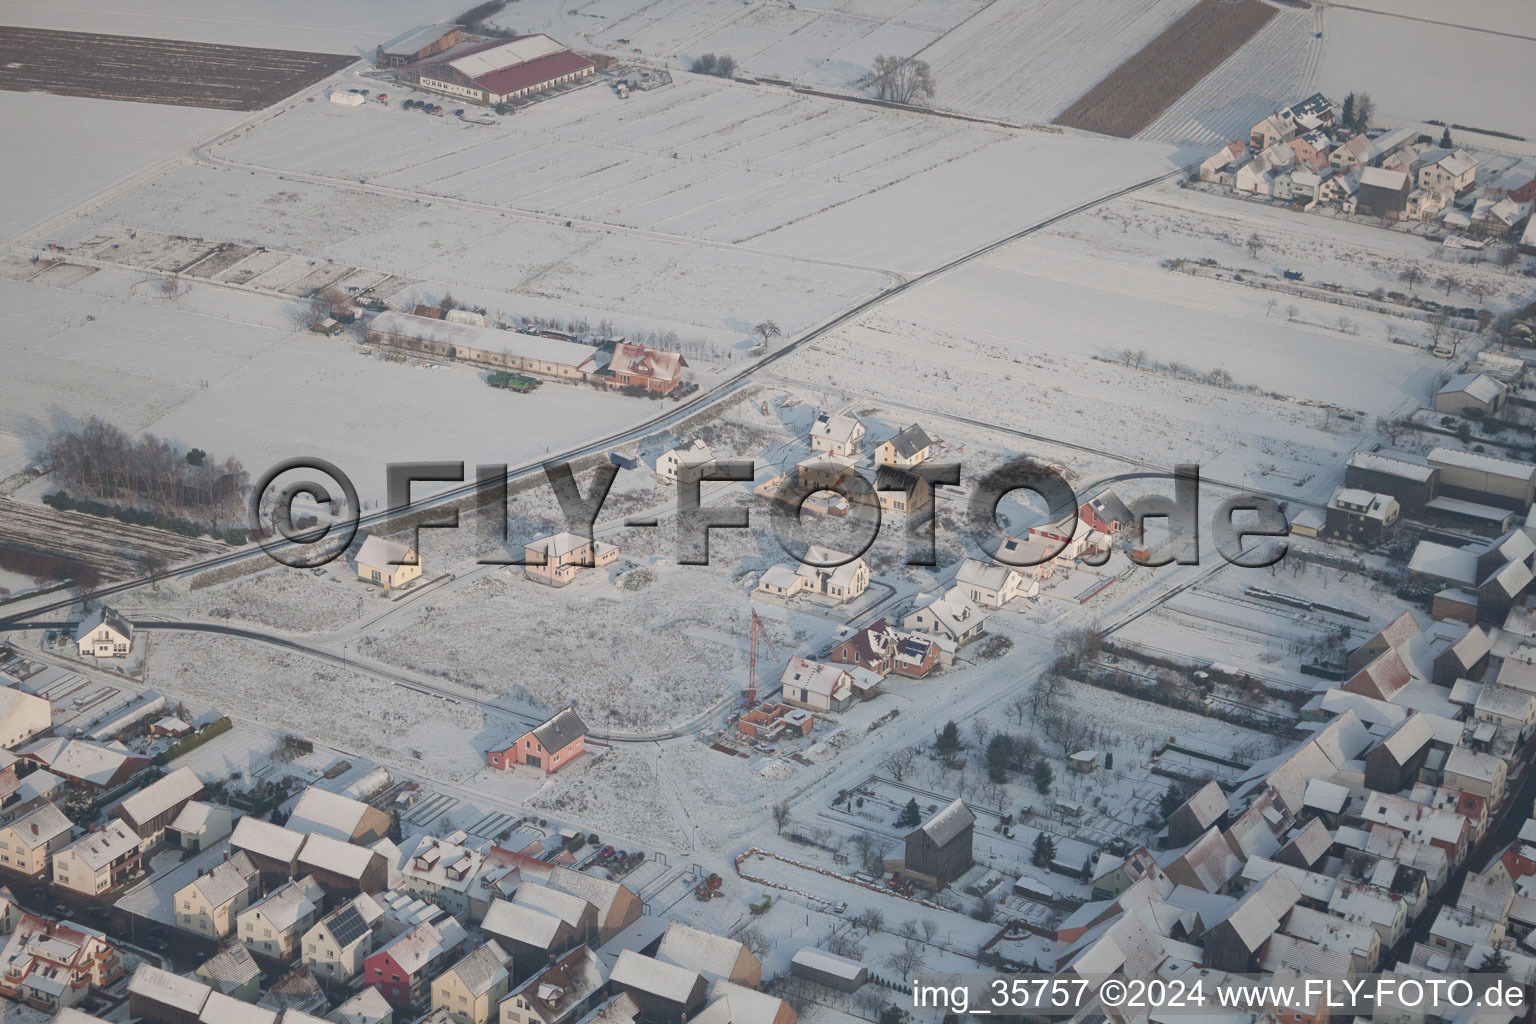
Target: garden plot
(799,175)
(1271,70)
(1028,62)
(1385,56)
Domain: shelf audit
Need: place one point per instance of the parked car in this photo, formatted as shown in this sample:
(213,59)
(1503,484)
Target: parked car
(459,112)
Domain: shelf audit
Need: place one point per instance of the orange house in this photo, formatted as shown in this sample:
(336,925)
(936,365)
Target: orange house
(651,368)
(548,747)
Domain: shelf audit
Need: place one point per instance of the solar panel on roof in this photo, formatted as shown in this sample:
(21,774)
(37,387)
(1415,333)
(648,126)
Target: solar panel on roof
(348,925)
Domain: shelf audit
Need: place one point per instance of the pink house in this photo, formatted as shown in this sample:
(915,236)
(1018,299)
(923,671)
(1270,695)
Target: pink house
(550,746)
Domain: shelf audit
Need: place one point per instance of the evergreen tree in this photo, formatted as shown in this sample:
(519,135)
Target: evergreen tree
(1109,761)
(1445,138)
(911,817)
(1170,802)
(1043,776)
(396,827)
(1347,116)
(948,744)
(1045,849)
(999,756)
(1495,963)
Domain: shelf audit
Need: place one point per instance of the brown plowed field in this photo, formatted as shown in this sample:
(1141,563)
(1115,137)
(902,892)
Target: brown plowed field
(169,71)
(1137,92)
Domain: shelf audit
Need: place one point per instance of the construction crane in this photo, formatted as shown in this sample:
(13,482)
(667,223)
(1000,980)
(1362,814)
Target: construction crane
(757,631)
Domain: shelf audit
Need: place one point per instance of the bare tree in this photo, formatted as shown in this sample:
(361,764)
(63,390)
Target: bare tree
(1292,312)
(170,286)
(1254,244)
(898,762)
(781,815)
(1019,707)
(753,938)
(1411,275)
(899,80)
(844,944)
(767,331)
(1450,282)
(907,959)
(1347,325)
(870,919)
(1365,110)
(930,929)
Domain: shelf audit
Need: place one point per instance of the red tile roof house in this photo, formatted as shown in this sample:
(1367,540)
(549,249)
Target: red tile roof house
(499,70)
(402,969)
(550,746)
(880,647)
(635,366)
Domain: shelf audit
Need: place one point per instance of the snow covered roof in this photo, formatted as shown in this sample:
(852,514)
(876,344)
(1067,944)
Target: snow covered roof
(1407,466)
(820,678)
(367,1007)
(1473,764)
(167,989)
(990,575)
(326,813)
(1506,468)
(841,566)
(223,1009)
(493,339)
(736,1004)
(647,362)
(40,826)
(1325,796)
(98,849)
(379,552)
(227,880)
(423,944)
(1380,177)
(827,963)
(86,762)
(713,956)
(1479,386)
(1408,738)
(161,795)
(482,969)
(948,823)
(333,855)
(231,968)
(523,923)
(568,907)
(1211,861)
(288,904)
(669,981)
(266,839)
(837,428)
(1441,561)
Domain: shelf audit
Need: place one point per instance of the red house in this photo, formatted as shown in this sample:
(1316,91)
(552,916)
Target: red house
(651,368)
(402,970)
(550,746)
(882,648)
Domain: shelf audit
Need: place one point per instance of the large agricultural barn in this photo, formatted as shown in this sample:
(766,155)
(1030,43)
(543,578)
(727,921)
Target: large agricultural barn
(499,70)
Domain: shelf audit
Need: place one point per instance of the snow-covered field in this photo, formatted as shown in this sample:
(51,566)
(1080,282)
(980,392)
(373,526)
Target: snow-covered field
(262,393)
(1272,69)
(90,146)
(1030,337)
(804,176)
(339,26)
(1031,61)
(1416,70)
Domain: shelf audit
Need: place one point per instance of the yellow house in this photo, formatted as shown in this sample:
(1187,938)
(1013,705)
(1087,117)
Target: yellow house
(555,560)
(27,844)
(386,563)
(210,905)
(906,449)
(471,989)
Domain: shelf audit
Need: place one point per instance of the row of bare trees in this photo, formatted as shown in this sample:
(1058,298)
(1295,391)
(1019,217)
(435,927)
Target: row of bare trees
(101,462)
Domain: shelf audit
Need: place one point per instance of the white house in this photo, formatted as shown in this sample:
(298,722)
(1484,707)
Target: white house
(816,686)
(384,563)
(837,433)
(22,716)
(104,634)
(1451,172)
(991,585)
(274,926)
(842,582)
(337,945)
(950,614)
(685,462)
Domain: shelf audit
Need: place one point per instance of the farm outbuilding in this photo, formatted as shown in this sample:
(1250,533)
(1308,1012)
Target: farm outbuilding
(424,42)
(499,70)
(828,969)
(1471,393)
(1485,478)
